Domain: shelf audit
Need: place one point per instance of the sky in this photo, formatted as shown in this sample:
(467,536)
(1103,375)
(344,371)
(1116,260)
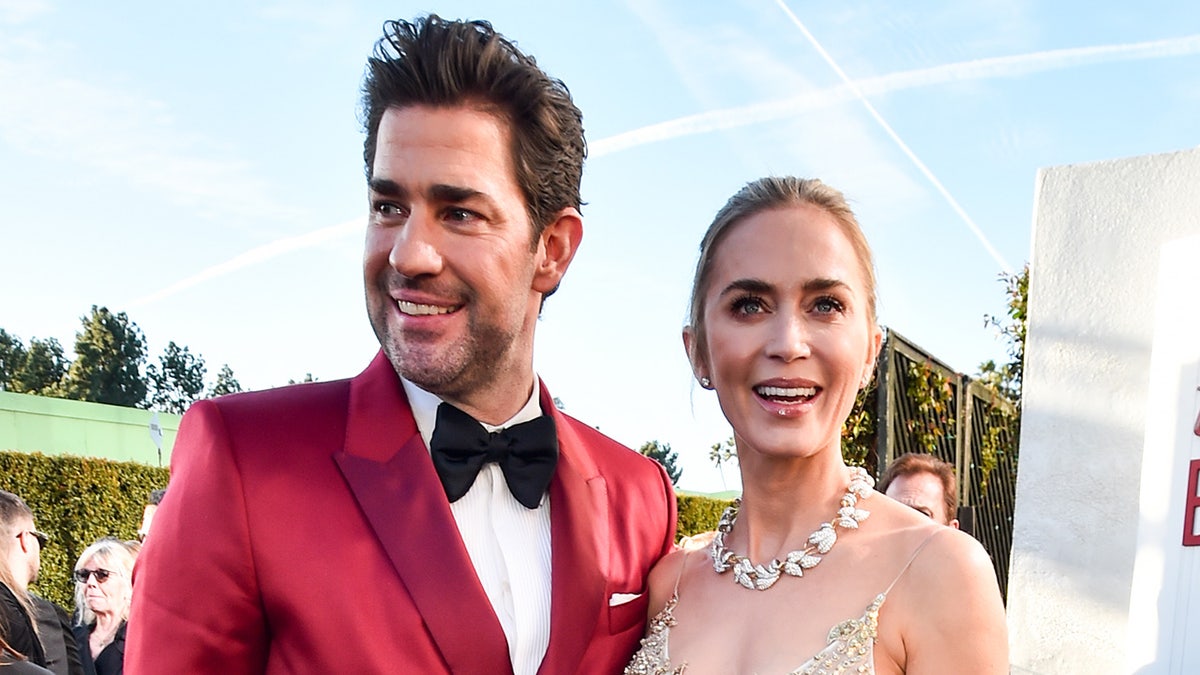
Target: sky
(199,166)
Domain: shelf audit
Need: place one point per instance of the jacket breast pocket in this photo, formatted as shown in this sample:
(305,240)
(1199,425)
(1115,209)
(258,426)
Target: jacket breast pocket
(625,612)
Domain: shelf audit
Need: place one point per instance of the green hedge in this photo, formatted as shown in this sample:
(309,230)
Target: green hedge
(77,500)
(698,514)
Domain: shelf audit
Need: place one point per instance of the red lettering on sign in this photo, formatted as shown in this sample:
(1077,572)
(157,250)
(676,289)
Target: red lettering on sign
(1192,505)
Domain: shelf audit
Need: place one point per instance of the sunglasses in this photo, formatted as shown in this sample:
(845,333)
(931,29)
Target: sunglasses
(41,537)
(82,575)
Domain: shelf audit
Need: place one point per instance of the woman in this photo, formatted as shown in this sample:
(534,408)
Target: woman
(812,571)
(103,590)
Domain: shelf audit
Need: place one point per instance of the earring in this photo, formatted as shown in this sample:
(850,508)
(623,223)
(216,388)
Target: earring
(705,383)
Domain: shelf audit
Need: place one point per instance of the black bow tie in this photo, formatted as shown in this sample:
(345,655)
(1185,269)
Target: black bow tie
(526,452)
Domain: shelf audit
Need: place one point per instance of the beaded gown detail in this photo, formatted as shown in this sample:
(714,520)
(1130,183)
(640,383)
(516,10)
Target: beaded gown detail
(850,647)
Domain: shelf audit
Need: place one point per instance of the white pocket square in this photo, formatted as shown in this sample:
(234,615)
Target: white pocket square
(618,599)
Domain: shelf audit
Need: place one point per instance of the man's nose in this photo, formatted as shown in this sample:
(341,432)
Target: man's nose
(416,246)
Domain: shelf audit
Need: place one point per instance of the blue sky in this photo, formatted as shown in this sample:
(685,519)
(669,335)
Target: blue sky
(199,167)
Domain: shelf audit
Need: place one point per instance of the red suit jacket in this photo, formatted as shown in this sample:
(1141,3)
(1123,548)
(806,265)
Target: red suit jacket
(305,531)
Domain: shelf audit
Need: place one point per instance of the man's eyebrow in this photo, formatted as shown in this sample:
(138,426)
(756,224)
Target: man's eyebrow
(921,509)
(386,187)
(455,193)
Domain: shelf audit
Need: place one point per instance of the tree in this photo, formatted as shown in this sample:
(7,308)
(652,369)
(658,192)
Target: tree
(1006,378)
(722,452)
(12,358)
(43,369)
(662,453)
(109,353)
(226,383)
(177,380)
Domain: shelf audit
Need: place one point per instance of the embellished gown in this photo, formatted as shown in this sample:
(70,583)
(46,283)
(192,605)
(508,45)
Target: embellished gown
(850,647)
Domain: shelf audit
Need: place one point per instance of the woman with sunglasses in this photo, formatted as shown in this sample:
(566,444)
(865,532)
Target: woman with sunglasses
(103,590)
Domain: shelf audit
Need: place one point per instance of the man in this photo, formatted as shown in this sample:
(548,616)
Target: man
(21,550)
(925,483)
(306,528)
(152,503)
(58,638)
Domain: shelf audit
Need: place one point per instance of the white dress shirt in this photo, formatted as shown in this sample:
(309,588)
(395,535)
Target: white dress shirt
(509,545)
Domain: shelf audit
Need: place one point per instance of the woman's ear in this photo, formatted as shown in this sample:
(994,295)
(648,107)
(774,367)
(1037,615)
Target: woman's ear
(875,344)
(691,348)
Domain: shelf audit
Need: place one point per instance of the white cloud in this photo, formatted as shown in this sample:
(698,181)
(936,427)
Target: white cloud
(121,133)
(21,11)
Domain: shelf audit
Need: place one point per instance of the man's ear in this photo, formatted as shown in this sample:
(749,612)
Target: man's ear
(556,248)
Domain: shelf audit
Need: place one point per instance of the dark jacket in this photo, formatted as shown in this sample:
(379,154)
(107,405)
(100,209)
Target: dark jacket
(10,665)
(58,639)
(112,657)
(17,628)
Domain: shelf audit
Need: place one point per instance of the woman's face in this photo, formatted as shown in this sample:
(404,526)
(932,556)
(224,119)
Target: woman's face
(789,333)
(104,597)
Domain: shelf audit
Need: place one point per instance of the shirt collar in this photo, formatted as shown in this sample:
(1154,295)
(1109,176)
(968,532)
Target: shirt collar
(424,409)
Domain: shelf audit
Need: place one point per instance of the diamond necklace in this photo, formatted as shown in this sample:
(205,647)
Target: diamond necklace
(760,577)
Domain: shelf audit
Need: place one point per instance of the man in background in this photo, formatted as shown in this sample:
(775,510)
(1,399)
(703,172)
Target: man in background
(20,560)
(152,503)
(924,483)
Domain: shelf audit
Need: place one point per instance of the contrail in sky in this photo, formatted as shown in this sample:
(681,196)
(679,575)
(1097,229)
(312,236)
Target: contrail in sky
(731,118)
(979,69)
(255,256)
(962,213)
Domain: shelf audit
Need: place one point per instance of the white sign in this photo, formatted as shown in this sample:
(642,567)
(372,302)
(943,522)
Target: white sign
(156,431)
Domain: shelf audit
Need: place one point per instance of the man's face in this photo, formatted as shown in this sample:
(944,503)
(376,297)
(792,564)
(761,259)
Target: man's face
(32,548)
(923,492)
(453,276)
(147,519)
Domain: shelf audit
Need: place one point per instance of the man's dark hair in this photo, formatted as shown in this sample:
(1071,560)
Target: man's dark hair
(12,508)
(915,462)
(440,63)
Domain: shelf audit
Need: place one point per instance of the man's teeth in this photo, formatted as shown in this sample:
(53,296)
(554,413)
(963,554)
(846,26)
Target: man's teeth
(414,309)
(786,392)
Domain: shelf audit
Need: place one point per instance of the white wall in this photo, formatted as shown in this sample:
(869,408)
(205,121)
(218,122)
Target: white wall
(1099,231)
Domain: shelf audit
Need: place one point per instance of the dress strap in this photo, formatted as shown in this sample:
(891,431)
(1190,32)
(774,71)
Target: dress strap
(682,564)
(917,552)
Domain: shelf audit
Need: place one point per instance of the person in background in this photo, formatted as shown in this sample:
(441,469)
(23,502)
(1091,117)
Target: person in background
(58,637)
(20,560)
(810,571)
(152,503)
(442,515)
(925,483)
(103,592)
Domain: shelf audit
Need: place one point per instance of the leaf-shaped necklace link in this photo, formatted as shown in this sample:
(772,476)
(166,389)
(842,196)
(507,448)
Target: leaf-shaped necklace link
(762,577)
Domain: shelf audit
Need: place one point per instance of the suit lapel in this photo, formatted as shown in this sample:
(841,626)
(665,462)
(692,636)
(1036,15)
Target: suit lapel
(387,467)
(579,548)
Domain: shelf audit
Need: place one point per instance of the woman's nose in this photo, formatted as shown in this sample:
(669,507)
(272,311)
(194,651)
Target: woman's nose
(790,337)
